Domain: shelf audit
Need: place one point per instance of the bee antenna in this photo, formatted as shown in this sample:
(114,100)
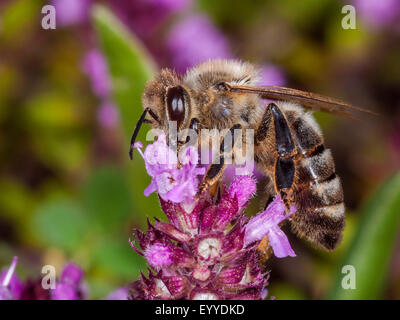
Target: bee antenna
(138,126)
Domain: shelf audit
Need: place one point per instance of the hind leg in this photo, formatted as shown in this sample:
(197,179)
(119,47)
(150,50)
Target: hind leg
(284,167)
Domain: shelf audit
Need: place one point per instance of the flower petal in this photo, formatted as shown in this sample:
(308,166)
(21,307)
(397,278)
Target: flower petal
(71,274)
(150,188)
(159,255)
(119,294)
(243,187)
(257,228)
(280,243)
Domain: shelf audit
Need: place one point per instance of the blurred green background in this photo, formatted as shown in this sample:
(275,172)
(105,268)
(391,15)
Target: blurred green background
(70,97)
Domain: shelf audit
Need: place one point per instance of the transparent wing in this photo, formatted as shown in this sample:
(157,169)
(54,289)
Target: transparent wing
(306,99)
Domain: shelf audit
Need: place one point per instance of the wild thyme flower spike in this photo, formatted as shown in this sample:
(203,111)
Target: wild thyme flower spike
(209,251)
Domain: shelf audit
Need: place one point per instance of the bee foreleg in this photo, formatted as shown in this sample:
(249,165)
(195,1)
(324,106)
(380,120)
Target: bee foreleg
(191,137)
(139,125)
(194,125)
(216,169)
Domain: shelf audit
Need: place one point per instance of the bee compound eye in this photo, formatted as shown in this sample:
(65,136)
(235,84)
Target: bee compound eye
(176,104)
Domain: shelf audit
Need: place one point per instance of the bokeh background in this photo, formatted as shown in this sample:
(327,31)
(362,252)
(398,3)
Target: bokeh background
(70,97)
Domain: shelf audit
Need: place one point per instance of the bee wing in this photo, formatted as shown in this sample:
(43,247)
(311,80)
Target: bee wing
(306,99)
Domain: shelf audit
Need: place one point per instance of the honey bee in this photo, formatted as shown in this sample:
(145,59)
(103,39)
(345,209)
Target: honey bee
(288,143)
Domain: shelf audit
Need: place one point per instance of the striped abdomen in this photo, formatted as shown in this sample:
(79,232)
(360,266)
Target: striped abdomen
(317,190)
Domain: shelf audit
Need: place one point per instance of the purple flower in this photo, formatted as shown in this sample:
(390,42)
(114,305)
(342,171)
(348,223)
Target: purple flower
(267,224)
(172,5)
(243,188)
(271,75)
(69,12)
(119,294)
(10,286)
(64,291)
(95,66)
(195,39)
(201,255)
(108,115)
(172,184)
(211,251)
(71,275)
(378,13)
(159,255)
(70,285)
(146,16)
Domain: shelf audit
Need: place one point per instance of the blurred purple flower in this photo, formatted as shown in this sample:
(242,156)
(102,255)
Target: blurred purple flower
(271,75)
(195,39)
(71,275)
(171,183)
(10,286)
(378,13)
(169,5)
(70,285)
(95,66)
(119,294)
(108,115)
(64,291)
(267,224)
(145,16)
(69,12)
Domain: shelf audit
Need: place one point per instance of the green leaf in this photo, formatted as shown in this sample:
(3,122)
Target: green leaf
(117,257)
(107,198)
(61,223)
(373,245)
(284,291)
(130,67)
(129,63)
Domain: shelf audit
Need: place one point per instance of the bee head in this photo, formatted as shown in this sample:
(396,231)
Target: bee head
(168,99)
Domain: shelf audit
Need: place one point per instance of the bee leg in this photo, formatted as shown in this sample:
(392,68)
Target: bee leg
(194,125)
(284,166)
(212,175)
(269,200)
(269,191)
(215,170)
(283,136)
(215,192)
(284,176)
(284,169)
